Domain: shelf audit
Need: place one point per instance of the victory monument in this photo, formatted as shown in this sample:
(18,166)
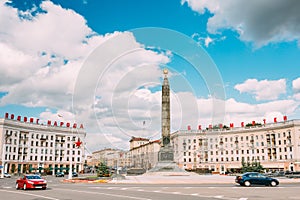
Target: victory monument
(166,164)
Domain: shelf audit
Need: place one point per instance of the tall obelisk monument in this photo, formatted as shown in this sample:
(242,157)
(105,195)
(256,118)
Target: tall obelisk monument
(166,164)
(165,111)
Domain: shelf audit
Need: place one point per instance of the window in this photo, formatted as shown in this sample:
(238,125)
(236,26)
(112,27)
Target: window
(184,153)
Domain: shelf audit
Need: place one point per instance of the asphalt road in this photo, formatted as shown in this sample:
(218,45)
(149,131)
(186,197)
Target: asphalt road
(105,191)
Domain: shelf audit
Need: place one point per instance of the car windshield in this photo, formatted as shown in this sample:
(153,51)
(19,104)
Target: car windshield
(33,177)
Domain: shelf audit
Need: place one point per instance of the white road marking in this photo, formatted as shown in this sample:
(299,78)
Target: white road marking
(218,197)
(7,187)
(29,194)
(176,192)
(195,194)
(124,188)
(243,198)
(156,191)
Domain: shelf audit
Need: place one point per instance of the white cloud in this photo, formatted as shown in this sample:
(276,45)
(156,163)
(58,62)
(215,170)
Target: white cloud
(207,40)
(280,19)
(296,85)
(263,90)
(41,57)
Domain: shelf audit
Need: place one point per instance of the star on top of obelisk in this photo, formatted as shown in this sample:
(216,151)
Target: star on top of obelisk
(166,72)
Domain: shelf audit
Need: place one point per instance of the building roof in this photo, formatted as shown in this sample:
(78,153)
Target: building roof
(138,139)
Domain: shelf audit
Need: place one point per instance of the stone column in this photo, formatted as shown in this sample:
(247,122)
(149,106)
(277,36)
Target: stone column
(165,113)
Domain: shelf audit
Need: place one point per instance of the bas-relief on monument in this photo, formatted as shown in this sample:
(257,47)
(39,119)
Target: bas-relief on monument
(166,162)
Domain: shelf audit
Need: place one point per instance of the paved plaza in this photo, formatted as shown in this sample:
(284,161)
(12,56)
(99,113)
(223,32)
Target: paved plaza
(154,187)
(191,179)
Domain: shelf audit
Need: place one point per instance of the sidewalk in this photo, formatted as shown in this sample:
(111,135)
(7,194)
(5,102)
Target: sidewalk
(192,179)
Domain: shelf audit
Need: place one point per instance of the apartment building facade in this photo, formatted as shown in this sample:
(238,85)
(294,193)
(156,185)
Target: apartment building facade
(143,153)
(276,146)
(28,146)
(111,157)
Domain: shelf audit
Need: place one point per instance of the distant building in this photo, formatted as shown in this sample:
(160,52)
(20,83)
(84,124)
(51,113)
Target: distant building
(143,153)
(276,146)
(27,146)
(111,157)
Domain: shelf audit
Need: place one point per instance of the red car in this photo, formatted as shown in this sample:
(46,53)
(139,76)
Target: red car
(31,182)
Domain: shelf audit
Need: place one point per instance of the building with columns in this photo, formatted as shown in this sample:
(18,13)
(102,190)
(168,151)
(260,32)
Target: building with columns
(28,146)
(276,146)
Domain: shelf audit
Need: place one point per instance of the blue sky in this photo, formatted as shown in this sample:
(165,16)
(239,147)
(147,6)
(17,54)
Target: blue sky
(97,63)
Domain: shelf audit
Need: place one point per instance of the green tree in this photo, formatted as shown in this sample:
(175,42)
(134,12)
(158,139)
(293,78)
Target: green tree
(251,167)
(102,170)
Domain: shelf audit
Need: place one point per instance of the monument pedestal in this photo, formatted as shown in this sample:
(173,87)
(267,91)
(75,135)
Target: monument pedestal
(166,165)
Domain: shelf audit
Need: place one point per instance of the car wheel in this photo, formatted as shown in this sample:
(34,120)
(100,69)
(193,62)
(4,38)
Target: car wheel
(44,188)
(24,187)
(273,183)
(247,183)
(17,186)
